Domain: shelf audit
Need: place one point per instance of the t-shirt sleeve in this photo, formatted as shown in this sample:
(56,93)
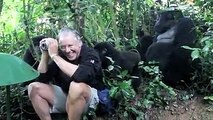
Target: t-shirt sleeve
(89,66)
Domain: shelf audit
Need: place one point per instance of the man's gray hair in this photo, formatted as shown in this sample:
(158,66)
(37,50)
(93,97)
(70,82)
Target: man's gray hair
(65,31)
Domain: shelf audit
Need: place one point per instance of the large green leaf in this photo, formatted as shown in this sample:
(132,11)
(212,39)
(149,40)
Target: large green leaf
(14,70)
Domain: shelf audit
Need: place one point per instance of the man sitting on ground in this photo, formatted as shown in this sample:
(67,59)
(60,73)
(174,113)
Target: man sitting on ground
(76,70)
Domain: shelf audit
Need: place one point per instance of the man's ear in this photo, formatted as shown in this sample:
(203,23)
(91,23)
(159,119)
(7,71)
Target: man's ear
(80,43)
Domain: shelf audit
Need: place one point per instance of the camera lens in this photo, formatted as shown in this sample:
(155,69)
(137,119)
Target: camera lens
(44,47)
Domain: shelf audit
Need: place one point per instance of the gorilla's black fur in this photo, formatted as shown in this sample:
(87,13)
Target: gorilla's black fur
(125,59)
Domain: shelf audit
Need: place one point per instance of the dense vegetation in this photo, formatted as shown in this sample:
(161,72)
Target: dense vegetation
(120,21)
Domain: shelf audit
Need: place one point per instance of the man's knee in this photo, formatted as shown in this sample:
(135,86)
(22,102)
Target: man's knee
(33,89)
(79,90)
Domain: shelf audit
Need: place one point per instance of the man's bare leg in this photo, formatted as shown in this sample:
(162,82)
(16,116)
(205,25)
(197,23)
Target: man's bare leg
(41,96)
(78,96)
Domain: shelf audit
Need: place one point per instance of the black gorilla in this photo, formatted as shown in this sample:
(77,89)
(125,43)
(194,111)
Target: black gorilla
(173,31)
(143,44)
(125,59)
(167,19)
(30,54)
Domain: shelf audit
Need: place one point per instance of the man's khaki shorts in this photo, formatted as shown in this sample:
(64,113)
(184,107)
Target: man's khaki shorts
(59,105)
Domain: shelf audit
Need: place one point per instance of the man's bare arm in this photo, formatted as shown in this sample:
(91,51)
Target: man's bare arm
(66,67)
(42,67)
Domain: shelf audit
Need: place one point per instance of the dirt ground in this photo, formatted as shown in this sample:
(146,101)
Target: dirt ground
(194,109)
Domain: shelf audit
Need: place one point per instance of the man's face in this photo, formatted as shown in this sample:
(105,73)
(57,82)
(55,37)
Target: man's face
(69,46)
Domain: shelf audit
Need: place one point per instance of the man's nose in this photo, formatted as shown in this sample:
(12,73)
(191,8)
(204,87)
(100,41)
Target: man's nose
(67,49)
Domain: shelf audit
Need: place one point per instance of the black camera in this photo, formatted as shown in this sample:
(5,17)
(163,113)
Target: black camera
(43,46)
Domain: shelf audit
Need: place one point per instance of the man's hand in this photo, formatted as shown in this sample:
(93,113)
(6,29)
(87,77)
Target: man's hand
(52,47)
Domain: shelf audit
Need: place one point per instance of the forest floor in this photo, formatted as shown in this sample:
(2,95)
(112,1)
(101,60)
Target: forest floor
(193,109)
(185,107)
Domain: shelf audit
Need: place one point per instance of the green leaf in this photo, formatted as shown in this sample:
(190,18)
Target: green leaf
(205,39)
(124,73)
(111,60)
(134,110)
(126,93)
(187,47)
(125,84)
(195,54)
(147,103)
(110,67)
(208,98)
(113,91)
(141,63)
(172,92)
(126,114)
(163,84)
(206,48)
(134,77)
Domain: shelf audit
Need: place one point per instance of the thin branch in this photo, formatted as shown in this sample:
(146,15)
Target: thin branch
(1,5)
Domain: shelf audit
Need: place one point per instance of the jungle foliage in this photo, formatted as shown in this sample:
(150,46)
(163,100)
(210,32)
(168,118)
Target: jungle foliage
(120,21)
